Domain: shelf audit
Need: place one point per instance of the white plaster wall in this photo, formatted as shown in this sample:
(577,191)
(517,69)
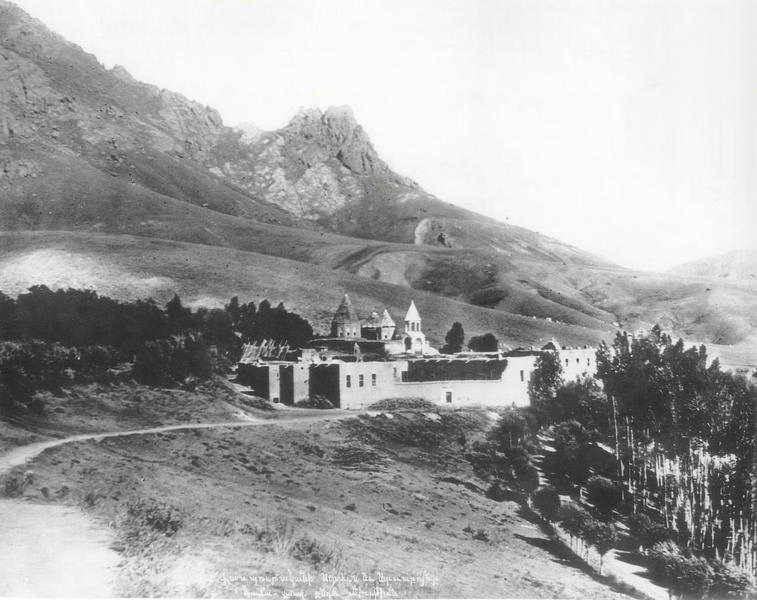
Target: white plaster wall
(359,397)
(464,393)
(516,385)
(577,361)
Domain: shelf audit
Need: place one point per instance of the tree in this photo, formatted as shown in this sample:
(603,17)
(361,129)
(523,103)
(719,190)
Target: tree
(602,494)
(547,502)
(573,519)
(454,339)
(584,401)
(602,536)
(179,318)
(571,443)
(234,310)
(545,380)
(510,430)
(484,343)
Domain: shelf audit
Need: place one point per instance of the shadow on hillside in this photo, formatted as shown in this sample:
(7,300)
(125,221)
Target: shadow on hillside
(558,550)
(632,558)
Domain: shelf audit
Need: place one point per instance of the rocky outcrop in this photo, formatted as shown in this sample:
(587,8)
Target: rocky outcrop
(316,137)
(53,88)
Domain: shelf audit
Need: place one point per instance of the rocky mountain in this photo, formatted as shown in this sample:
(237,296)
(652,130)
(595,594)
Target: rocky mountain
(60,106)
(106,170)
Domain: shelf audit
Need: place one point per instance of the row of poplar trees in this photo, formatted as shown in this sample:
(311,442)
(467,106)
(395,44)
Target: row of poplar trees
(684,437)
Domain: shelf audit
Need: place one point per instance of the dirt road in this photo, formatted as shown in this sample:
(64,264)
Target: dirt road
(57,551)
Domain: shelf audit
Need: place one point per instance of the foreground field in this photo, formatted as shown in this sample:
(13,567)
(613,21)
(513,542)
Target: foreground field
(322,508)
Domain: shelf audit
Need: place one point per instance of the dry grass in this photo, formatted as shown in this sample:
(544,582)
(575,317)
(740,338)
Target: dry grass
(264,501)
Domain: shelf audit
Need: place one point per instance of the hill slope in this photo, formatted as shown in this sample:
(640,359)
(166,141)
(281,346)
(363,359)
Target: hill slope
(91,151)
(739,264)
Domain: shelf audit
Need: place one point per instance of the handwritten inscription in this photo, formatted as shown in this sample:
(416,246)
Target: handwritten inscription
(324,586)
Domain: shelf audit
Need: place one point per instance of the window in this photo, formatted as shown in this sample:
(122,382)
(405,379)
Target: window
(522,376)
(373,379)
(361,380)
(578,361)
(567,362)
(449,397)
(588,362)
(349,380)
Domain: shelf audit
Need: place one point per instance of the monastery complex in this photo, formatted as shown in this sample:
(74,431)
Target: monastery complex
(363,361)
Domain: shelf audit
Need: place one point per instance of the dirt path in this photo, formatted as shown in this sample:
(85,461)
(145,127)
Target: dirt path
(57,551)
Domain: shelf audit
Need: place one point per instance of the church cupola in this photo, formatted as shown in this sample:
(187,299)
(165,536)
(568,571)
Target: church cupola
(345,323)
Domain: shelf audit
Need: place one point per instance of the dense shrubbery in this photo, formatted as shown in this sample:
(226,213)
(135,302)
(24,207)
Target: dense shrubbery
(646,533)
(503,457)
(484,343)
(49,339)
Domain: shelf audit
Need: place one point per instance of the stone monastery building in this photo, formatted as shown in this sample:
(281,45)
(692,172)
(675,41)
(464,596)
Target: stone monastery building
(369,360)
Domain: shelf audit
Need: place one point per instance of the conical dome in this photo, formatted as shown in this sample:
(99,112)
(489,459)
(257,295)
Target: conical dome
(345,312)
(345,323)
(412,313)
(386,320)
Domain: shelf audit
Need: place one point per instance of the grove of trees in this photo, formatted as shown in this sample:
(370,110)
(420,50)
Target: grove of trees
(684,434)
(50,338)
(676,434)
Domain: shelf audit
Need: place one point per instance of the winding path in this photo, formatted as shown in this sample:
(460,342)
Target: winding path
(57,551)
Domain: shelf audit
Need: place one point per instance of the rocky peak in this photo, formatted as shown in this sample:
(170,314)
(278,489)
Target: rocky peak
(123,74)
(334,134)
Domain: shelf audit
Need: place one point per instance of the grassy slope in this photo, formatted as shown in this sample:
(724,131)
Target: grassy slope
(128,267)
(286,497)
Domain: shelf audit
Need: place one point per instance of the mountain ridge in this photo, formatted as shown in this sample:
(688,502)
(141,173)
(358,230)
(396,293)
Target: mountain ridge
(93,152)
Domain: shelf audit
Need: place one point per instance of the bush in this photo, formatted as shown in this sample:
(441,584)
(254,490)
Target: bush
(311,551)
(315,402)
(647,533)
(154,516)
(573,519)
(602,494)
(497,493)
(681,573)
(728,581)
(526,475)
(172,361)
(487,462)
(547,502)
(16,483)
(484,343)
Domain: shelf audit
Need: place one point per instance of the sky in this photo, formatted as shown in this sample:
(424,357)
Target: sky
(626,128)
